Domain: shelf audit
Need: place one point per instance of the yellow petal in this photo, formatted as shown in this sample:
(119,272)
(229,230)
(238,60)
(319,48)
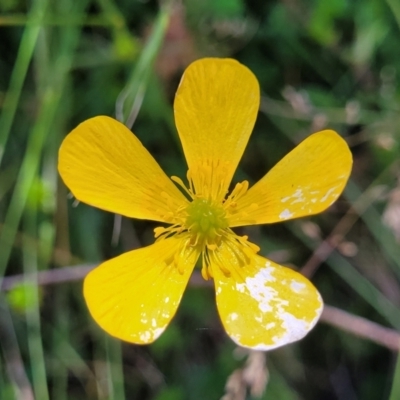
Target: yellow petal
(269,307)
(305,182)
(134,296)
(215,109)
(104,164)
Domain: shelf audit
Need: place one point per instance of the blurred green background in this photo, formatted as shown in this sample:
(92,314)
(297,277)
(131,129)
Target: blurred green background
(320,64)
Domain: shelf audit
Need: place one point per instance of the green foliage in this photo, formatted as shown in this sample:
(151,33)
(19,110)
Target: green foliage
(171,393)
(320,64)
(22,297)
(324,18)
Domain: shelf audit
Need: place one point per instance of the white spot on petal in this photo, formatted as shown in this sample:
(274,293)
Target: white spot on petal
(270,325)
(157,332)
(288,328)
(266,272)
(240,287)
(233,316)
(327,194)
(151,335)
(295,329)
(145,336)
(236,338)
(285,214)
(258,289)
(297,287)
(298,196)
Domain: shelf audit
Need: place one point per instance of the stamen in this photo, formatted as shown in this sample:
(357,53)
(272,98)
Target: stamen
(204,272)
(189,177)
(238,192)
(203,223)
(208,180)
(172,206)
(179,181)
(216,257)
(184,253)
(161,232)
(233,213)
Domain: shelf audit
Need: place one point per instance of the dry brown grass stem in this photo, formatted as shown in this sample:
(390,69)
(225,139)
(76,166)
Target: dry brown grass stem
(361,327)
(327,246)
(343,320)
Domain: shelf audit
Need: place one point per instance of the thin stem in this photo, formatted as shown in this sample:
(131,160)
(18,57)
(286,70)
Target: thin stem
(361,327)
(343,320)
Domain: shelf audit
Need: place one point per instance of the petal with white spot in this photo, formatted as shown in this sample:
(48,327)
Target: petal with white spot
(271,307)
(134,296)
(305,182)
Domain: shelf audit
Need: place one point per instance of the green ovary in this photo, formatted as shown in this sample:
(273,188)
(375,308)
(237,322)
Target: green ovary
(205,221)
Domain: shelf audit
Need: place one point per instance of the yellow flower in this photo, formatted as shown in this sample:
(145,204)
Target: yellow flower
(262,305)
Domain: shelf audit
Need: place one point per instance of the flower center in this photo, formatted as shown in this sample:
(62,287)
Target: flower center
(205,222)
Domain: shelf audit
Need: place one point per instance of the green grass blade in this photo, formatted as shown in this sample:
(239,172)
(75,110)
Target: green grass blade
(131,96)
(20,69)
(52,95)
(32,309)
(395,391)
(373,219)
(115,370)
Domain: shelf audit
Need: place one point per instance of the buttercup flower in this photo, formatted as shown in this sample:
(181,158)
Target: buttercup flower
(133,297)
